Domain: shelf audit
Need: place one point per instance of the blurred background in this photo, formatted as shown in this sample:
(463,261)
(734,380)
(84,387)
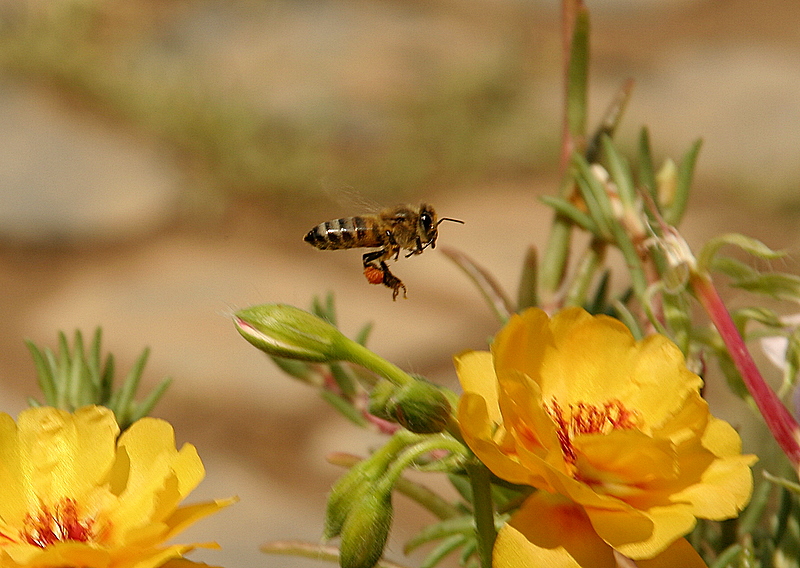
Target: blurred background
(162,160)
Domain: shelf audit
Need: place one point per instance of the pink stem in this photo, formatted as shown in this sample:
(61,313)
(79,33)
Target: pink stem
(783,426)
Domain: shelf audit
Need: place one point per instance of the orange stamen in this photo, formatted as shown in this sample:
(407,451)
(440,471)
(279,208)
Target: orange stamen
(584,418)
(59,524)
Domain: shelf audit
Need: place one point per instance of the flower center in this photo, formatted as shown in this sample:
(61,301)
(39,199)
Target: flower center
(584,418)
(57,524)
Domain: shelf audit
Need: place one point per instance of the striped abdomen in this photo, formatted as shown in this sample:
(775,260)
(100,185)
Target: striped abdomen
(352,232)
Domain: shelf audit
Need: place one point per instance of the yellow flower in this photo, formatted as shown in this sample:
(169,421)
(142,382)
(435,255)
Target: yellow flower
(613,431)
(73,494)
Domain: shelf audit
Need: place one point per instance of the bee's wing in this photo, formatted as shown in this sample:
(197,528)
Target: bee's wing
(352,201)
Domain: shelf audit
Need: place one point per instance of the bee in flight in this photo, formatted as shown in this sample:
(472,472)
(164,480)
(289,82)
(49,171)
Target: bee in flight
(390,231)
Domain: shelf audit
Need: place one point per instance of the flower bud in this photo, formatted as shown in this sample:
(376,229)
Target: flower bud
(381,400)
(420,407)
(366,529)
(281,330)
(345,493)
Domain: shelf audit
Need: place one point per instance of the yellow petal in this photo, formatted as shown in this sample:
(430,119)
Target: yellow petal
(184,563)
(721,439)
(644,459)
(151,476)
(475,371)
(658,366)
(185,516)
(62,454)
(723,490)
(13,504)
(150,443)
(591,359)
(155,558)
(522,344)
(642,534)
(550,532)
(60,554)
(679,554)
(477,429)
(525,417)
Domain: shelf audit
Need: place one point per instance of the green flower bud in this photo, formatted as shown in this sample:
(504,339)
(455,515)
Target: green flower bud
(420,407)
(281,330)
(381,400)
(366,529)
(345,493)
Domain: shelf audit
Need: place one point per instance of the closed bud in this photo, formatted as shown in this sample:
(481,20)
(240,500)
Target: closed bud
(281,330)
(366,529)
(381,400)
(420,407)
(345,493)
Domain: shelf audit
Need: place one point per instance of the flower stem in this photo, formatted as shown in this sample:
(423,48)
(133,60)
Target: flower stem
(784,428)
(360,355)
(483,510)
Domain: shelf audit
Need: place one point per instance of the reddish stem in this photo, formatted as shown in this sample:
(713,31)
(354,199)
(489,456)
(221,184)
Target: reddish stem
(783,426)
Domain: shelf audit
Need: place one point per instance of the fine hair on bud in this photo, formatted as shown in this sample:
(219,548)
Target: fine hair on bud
(366,530)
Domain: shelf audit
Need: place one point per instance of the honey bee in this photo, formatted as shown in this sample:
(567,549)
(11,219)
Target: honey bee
(390,231)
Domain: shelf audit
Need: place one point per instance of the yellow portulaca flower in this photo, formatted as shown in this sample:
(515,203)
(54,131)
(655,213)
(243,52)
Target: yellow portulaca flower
(614,433)
(73,494)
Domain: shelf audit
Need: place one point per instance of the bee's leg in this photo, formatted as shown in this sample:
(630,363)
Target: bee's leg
(417,249)
(370,257)
(392,281)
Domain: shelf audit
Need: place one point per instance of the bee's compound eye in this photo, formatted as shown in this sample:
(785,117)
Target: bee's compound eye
(426,220)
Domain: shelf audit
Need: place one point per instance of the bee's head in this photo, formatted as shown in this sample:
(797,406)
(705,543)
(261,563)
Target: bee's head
(428,225)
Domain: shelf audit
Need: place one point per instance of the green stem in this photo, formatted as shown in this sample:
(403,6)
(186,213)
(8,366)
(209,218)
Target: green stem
(433,442)
(360,355)
(587,268)
(483,510)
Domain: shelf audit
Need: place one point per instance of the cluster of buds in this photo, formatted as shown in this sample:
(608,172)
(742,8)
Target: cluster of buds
(286,332)
(359,509)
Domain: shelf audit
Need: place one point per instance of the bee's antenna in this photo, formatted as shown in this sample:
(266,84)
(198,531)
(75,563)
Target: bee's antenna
(439,222)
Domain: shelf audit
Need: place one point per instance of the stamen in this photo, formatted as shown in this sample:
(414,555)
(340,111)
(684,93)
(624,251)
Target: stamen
(59,524)
(584,418)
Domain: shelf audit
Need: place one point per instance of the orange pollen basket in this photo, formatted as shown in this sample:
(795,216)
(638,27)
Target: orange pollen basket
(59,524)
(374,275)
(583,418)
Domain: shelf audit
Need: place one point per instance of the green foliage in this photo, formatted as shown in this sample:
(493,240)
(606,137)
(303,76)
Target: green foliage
(78,376)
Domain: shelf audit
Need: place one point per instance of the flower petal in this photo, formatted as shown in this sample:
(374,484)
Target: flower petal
(63,454)
(13,504)
(724,488)
(478,431)
(185,516)
(552,532)
(61,554)
(642,534)
(601,462)
(151,476)
(475,371)
(522,344)
(679,553)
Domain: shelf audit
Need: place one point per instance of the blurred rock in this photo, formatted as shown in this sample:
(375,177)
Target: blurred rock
(66,176)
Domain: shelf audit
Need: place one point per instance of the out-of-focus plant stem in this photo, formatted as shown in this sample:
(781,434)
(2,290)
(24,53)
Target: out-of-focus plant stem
(783,426)
(483,510)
